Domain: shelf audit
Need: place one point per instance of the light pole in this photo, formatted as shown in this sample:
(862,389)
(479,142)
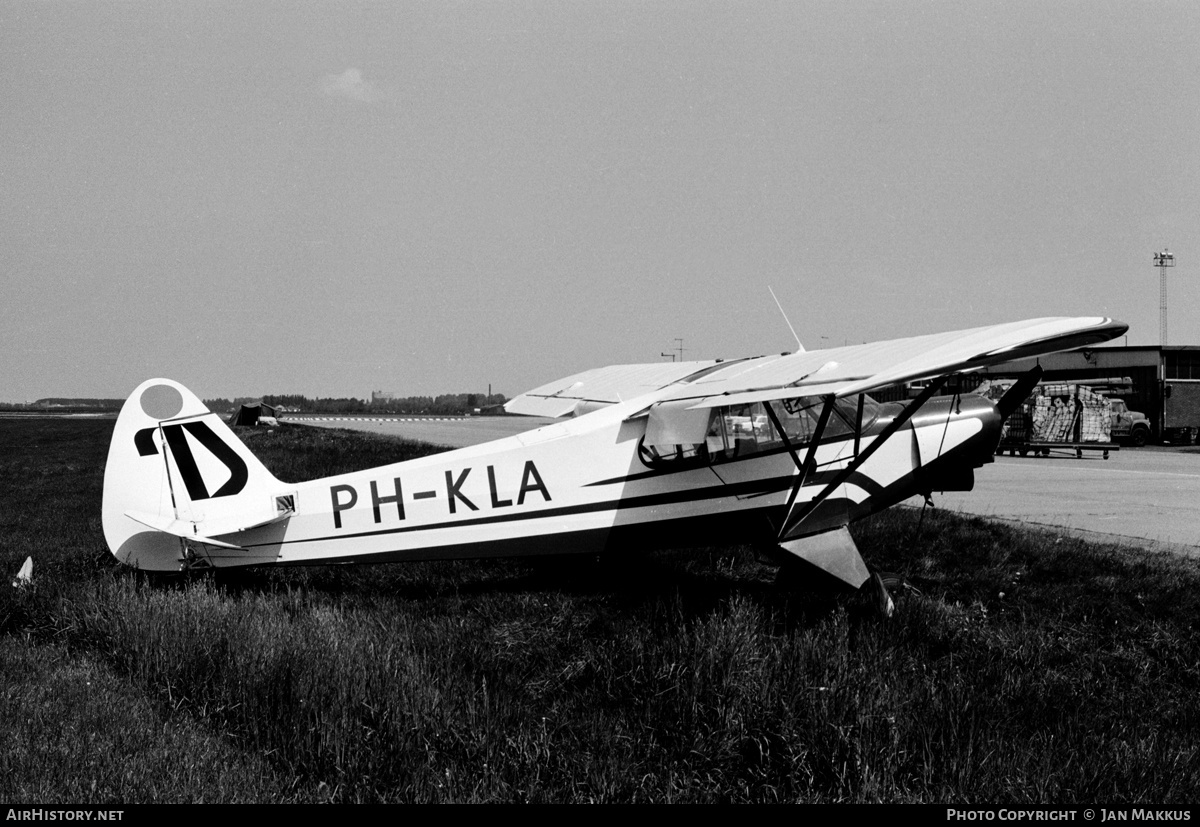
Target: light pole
(1162,261)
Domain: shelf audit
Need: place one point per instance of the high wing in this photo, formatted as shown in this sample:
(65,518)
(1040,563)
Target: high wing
(848,371)
(584,391)
(840,372)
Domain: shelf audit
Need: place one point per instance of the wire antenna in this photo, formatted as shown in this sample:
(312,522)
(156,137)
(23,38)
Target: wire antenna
(799,346)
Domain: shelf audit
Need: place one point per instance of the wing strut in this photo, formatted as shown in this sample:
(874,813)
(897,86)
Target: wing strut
(1017,394)
(810,457)
(796,516)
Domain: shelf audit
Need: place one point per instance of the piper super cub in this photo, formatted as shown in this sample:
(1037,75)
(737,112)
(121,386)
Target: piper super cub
(782,452)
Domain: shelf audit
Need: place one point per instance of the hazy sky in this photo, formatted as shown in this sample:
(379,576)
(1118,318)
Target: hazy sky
(330,198)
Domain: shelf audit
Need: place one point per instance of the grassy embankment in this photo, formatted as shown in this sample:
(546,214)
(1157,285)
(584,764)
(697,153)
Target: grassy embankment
(1032,668)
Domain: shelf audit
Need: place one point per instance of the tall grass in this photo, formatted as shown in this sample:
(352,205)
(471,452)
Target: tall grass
(1030,668)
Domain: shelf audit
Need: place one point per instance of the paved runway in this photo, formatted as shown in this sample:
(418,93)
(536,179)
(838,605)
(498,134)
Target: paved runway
(1139,496)
(1142,496)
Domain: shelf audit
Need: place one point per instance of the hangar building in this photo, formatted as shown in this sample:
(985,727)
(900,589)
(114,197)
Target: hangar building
(1161,382)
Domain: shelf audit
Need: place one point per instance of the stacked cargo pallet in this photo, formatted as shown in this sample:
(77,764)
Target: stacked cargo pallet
(1070,413)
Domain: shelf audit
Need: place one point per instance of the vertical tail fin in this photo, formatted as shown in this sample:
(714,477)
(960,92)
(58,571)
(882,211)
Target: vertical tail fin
(177,479)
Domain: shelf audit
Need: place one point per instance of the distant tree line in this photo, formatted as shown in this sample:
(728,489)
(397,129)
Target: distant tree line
(446,405)
(449,403)
(65,405)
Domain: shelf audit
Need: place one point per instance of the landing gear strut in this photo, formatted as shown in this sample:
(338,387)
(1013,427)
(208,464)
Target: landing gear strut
(884,605)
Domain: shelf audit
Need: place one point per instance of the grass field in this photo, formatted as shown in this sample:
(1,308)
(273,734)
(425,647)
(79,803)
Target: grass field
(1030,668)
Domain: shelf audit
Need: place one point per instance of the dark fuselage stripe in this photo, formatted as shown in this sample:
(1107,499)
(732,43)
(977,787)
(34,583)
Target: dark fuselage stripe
(743,489)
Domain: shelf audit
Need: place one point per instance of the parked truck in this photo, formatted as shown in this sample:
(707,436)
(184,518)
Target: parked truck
(1132,427)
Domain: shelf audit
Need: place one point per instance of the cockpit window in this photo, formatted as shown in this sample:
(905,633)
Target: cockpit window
(737,431)
(654,455)
(747,429)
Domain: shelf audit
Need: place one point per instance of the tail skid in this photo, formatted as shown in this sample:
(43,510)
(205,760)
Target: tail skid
(178,480)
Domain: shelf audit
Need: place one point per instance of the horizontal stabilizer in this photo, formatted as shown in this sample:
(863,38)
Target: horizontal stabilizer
(179,528)
(833,552)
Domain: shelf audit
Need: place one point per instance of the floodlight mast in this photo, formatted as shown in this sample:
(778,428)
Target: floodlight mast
(1162,261)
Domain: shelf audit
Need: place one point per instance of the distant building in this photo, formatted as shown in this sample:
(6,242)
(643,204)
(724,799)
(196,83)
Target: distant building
(378,397)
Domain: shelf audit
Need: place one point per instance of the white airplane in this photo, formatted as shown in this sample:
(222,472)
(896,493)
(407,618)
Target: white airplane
(782,452)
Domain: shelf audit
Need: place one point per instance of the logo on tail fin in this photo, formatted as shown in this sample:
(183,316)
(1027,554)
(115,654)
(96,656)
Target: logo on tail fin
(186,461)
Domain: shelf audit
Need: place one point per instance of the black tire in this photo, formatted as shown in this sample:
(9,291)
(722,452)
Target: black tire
(1139,437)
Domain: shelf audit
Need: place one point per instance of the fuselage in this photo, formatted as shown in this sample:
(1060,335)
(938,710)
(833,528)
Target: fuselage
(591,484)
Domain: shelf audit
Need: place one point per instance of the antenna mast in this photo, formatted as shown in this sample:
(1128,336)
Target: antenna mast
(799,346)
